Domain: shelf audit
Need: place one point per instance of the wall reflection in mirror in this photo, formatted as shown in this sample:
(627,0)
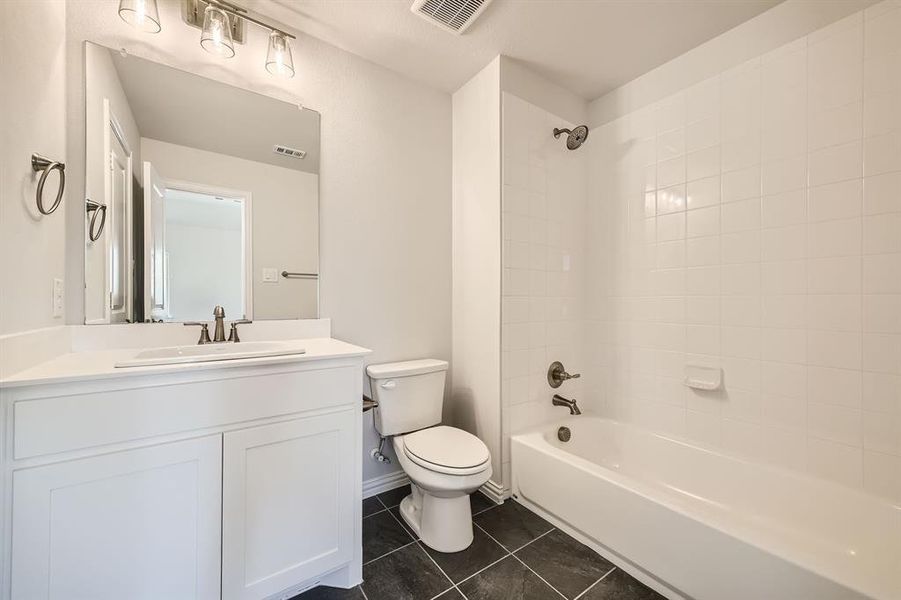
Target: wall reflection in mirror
(198,194)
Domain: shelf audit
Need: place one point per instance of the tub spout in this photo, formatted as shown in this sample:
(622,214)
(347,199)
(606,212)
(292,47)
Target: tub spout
(559,400)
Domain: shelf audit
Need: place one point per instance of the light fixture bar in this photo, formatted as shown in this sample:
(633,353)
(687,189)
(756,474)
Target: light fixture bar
(240,13)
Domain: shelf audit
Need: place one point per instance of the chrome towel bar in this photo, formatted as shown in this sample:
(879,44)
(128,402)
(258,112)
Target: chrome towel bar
(42,163)
(290,275)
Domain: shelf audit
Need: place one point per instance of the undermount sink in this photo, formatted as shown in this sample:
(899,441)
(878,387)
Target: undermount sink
(209,353)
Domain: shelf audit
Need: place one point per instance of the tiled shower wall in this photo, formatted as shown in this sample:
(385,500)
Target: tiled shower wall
(543,203)
(753,222)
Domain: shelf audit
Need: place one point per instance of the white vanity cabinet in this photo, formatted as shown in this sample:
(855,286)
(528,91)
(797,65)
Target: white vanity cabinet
(140,523)
(238,481)
(287,491)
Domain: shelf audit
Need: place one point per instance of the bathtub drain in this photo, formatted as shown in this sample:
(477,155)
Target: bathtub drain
(564,434)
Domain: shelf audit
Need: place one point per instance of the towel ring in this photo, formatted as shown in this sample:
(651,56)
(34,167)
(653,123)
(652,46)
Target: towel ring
(99,209)
(41,163)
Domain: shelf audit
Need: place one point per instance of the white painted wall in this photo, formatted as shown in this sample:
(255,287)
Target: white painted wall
(32,119)
(781,24)
(475,377)
(752,221)
(385,220)
(285,219)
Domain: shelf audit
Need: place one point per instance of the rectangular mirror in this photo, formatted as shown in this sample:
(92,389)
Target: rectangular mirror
(198,194)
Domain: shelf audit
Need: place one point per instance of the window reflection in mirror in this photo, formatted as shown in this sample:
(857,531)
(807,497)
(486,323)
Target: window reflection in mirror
(211,194)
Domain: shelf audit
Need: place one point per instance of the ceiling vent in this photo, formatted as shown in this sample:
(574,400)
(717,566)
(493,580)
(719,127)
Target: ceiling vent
(451,15)
(285,151)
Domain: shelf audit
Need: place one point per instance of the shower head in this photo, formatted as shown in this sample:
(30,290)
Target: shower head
(574,138)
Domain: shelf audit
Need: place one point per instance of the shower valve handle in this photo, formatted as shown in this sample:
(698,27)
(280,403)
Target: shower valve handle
(556,374)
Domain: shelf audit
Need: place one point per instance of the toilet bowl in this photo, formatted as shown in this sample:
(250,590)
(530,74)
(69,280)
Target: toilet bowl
(445,465)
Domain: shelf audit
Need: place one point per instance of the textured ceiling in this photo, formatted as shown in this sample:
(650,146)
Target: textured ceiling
(587,46)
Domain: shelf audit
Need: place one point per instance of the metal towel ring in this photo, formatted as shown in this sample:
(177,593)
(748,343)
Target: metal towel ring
(42,163)
(98,209)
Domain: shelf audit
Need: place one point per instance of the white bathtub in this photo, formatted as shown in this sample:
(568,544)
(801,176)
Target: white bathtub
(706,525)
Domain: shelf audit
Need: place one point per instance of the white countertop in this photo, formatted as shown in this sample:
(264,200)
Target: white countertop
(99,364)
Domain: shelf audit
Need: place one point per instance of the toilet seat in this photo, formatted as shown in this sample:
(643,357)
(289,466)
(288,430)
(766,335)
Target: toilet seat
(447,450)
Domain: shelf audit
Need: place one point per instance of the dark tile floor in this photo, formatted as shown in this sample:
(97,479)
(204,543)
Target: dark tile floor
(515,555)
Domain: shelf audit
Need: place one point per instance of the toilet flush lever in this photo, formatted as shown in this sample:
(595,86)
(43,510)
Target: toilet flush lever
(388,385)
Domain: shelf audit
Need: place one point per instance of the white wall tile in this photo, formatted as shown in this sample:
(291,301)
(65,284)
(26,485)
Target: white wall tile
(836,201)
(882,194)
(836,163)
(789,208)
(834,386)
(754,223)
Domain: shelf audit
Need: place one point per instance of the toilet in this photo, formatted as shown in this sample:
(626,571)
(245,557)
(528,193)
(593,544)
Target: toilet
(444,464)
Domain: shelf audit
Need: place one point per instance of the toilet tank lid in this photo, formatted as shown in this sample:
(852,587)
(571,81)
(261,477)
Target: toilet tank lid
(406,368)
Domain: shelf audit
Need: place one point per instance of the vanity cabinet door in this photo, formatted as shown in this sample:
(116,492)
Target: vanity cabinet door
(287,503)
(137,524)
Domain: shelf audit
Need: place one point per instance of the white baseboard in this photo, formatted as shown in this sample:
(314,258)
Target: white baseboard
(495,491)
(384,483)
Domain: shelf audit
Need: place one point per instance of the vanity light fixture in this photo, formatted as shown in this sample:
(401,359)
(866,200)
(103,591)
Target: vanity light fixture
(221,24)
(142,14)
(279,61)
(217,34)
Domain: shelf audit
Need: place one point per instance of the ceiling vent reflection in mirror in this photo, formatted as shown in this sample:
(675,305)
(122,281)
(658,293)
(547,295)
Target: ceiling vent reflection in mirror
(451,15)
(286,151)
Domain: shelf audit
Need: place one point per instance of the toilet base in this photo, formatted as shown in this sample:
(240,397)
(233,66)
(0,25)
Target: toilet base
(443,524)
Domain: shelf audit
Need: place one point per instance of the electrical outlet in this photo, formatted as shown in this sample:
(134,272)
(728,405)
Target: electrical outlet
(56,298)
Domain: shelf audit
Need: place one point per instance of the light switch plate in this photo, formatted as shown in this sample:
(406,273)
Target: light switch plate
(270,275)
(56,298)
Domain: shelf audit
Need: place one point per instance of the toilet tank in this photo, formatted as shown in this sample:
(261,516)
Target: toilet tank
(410,394)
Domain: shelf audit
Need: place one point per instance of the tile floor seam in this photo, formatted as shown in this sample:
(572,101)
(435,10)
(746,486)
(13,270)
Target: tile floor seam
(362,591)
(417,541)
(486,567)
(540,577)
(504,547)
(437,565)
(387,553)
(549,531)
(585,591)
(375,513)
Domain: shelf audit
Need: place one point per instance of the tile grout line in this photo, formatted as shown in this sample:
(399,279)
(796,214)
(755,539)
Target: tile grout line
(539,576)
(378,512)
(524,564)
(387,553)
(429,556)
(585,591)
(486,567)
(362,591)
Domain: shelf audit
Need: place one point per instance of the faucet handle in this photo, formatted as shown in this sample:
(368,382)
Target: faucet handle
(204,331)
(556,374)
(233,332)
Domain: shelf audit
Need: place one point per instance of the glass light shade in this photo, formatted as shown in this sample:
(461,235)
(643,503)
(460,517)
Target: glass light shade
(142,14)
(279,61)
(217,32)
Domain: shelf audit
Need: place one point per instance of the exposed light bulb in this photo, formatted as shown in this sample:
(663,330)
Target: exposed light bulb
(279,61)
(142,14)
(217,34)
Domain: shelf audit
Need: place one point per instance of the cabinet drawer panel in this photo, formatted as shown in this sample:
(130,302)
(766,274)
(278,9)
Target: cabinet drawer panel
(64,423)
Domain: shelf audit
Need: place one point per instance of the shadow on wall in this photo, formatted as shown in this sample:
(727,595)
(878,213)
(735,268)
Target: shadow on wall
(460,412)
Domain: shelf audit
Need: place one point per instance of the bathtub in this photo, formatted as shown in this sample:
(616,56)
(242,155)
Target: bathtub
(694,523)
